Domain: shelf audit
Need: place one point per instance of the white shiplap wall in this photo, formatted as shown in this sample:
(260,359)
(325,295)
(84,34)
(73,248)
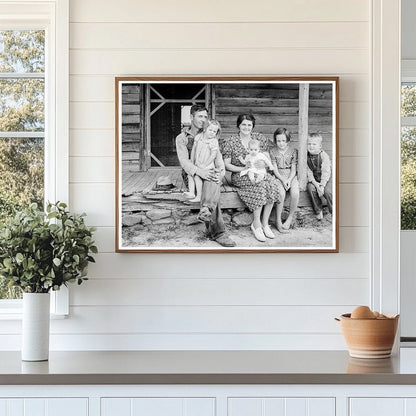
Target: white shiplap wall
(214,301)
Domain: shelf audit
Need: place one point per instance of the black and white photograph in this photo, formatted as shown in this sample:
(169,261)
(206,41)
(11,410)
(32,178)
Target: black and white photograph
(236,164)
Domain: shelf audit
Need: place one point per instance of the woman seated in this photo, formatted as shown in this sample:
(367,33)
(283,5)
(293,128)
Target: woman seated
(258,196)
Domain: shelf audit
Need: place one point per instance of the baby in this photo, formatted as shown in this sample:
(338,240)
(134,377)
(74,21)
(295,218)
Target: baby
(319,172)
(203,154)
(255,163)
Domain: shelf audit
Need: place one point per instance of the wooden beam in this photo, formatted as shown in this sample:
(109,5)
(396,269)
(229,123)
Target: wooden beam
(148,142)
(142,133)
(303,134)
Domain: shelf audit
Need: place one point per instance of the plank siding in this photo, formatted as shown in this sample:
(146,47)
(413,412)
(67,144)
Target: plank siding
(273,106)
(131,127)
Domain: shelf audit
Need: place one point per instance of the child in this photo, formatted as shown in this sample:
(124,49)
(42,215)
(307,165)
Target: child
(285,160)
(319,172)
(203,154)
(255,163)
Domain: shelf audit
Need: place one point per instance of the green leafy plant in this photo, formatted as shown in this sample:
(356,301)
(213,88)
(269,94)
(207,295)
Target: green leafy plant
(43,251)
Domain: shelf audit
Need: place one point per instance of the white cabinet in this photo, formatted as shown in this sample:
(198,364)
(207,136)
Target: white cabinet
(382,406)
(159,406)
(208,400)
(281,406)
(44,407)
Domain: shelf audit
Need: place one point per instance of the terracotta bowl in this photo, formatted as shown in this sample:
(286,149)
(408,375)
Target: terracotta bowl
(369,338)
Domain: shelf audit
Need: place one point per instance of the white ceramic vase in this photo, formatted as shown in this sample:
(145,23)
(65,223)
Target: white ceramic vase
(35,326)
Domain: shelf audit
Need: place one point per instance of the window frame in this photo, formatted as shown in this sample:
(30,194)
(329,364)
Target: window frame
(408,76)
(53,17)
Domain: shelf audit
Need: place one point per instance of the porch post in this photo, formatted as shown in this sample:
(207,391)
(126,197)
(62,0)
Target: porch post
(303,134)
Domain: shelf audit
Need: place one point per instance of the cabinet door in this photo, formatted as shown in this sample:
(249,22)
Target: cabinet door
(251,406)
(160,406)
(44,407)
(382,406)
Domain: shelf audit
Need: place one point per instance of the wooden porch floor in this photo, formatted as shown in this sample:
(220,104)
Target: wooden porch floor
(144,183)
(134,182)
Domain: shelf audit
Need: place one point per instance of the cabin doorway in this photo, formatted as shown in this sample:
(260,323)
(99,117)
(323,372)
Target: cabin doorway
(167,113)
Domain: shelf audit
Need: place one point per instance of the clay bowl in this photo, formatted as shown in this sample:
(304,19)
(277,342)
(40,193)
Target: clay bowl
(369,338)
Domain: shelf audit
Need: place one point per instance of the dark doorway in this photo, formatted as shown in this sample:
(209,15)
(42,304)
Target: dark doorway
(168,111)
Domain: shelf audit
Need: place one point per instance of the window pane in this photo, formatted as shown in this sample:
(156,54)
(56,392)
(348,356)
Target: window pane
(408,178)
(22,51)
(22,105)
(21,173)
(408,100)
(21,182)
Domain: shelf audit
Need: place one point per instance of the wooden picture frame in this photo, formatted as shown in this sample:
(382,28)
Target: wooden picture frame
(152,213)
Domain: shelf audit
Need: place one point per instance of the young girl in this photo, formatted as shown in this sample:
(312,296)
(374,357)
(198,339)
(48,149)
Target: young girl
(255,163)
(203,154)
(285,159)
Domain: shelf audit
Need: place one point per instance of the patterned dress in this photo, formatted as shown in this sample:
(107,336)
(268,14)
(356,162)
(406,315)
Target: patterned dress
(284,162)
(254,195)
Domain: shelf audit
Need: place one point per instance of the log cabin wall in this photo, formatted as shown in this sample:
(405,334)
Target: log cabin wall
(273,106)
(132,131)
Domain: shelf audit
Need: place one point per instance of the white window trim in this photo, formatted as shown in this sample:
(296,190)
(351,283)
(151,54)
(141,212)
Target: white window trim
(52,15)
(385,191)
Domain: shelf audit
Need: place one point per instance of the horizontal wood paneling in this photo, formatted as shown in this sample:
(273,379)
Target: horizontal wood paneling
(216,62)
(92,143)
(98,88)
(161,320)
(219,11)
(352,239)
(200,319)
(92,115)
(105,238)
(220,291)
(91,169)
(354,142)
(221,36)
(285,299)
(354,170)
(231,266)
(96,199)
(194,341)
(354,200)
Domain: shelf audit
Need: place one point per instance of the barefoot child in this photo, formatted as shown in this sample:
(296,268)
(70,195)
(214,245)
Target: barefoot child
(204,152)
(255,163)
(319,172)
(285,161)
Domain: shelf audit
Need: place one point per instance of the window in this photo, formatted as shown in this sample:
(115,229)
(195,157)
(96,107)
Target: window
(33,156)
(22,124)
(408,153)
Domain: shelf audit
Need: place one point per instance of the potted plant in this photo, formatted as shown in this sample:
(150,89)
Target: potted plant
(40,252)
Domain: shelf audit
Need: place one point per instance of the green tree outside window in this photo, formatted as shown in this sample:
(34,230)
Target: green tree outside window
(22,125)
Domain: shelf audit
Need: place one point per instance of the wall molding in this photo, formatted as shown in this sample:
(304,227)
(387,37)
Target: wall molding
(385,193)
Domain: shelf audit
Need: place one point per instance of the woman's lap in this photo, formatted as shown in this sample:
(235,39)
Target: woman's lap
(259,194)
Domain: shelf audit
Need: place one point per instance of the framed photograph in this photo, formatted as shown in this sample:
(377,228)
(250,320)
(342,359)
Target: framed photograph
(226,164)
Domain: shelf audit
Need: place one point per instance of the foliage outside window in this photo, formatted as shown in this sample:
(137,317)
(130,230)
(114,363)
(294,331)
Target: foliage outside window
(22,125)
